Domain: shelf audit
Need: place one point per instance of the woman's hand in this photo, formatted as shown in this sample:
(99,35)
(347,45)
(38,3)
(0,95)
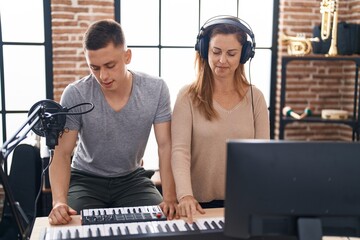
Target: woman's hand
(188,206)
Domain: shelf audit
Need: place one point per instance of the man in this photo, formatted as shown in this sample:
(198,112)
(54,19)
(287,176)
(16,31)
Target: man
(105,169)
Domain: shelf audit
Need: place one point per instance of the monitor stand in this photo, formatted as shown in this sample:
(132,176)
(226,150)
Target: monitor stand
(309,229)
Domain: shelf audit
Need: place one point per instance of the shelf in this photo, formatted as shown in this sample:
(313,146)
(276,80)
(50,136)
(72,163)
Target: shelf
(318,119)
(351,121)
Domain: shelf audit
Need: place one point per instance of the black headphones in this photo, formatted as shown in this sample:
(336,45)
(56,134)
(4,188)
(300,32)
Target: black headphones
(202,40)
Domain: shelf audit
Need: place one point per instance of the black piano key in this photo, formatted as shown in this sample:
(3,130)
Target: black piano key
(59,235)
(139,230)
(118,231)
(160,228)
(176,229)
(111,232)
(213,223)
(195,226)
(97,232)
(89,232)
(147,228)
(139,210)
(188,227)
(167,227)
(207,225)
(77,233)
(129,210)
(127,231)
(222,224)
(113,211)
(93,212)
(68,234)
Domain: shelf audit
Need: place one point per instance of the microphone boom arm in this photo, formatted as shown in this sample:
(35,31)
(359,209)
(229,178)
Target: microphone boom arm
(10,144)
(47,119)
(20,217)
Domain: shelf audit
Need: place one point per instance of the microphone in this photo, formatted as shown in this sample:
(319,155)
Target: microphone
(52,119)
(48,119)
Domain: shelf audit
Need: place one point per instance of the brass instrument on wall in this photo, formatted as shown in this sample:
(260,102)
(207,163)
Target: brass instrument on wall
(329,11)
(299,45)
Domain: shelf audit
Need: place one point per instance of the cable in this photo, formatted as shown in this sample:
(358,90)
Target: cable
(252,98)
(39,192)
(72,113)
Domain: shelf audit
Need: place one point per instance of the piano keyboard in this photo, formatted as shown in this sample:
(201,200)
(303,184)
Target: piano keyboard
(122,215)
(136,230)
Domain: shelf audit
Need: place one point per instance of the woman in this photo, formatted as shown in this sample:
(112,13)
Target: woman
(219,105)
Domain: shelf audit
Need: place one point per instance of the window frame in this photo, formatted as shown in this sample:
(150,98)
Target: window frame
(48,68)
(273,49)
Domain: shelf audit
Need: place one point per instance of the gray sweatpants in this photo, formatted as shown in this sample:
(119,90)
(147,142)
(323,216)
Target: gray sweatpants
(87,191)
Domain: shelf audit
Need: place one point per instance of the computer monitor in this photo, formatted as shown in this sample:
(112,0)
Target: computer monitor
(292,189)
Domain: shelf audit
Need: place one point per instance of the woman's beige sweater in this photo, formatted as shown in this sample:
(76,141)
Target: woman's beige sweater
(199,145)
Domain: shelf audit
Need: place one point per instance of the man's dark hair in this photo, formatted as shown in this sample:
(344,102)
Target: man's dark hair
(101,33)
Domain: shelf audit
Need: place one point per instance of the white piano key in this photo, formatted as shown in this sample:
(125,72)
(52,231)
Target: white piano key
(85,231)
(116,229)
(146,227)
(102,211)
(125,210)
(66,232)
(124,228)
(109,211)
(145,209)
(138,210)
(85,212)
(48,232)
(133,227)
(156,225)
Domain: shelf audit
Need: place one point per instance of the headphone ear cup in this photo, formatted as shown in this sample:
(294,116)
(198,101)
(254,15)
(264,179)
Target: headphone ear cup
(202,46)
(247,52)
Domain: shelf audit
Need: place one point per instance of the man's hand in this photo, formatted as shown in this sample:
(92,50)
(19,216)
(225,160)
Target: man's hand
(170,209)
(188,206)
(61,214)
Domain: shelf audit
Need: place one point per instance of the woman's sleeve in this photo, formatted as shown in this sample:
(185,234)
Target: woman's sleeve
(262,123)
(181,132)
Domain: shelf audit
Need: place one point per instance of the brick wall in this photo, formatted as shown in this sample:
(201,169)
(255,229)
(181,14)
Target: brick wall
(322,85)
(70,18)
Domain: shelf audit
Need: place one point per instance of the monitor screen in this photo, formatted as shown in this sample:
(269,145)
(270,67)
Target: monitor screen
(292,189)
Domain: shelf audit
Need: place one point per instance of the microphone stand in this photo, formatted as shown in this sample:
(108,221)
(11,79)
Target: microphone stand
(18,214)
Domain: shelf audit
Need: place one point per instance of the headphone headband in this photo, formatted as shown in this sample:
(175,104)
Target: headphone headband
(202,43)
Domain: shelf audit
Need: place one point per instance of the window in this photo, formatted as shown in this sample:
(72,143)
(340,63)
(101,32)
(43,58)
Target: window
(25,40)
(162,35)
